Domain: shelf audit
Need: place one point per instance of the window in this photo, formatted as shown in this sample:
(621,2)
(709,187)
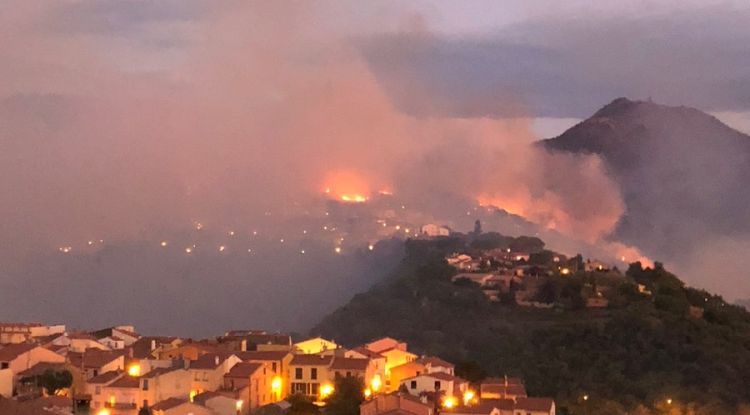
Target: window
(145,403)
(314,389)
(414,384)
(298,373)
(348,374)
(273,367)
(314,373)
(4,365)
(437,385)
(97,390)
(197,376)
(205,376)
(299,388)
(145,384)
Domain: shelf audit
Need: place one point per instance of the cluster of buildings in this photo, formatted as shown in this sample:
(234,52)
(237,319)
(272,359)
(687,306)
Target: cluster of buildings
(502,272)
(116,371)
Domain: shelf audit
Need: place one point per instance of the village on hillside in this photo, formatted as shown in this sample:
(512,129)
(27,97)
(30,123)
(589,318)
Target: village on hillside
(115,371)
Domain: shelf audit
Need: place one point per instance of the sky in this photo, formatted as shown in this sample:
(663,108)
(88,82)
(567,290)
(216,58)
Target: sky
(125,118)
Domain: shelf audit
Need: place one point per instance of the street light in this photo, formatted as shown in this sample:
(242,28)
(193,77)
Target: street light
(238,405)
(103,412)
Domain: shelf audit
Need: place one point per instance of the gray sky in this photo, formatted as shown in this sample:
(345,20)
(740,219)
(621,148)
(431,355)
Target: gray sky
(122,116)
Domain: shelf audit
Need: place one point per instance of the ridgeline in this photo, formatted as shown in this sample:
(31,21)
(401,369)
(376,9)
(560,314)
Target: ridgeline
(657,345)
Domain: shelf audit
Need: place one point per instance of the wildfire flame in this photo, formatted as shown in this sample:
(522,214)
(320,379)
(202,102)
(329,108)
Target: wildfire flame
(347,186)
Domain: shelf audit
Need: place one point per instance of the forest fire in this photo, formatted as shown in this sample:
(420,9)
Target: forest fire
(347,186)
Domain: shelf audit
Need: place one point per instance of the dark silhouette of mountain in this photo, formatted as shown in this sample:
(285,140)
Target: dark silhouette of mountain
(683,174)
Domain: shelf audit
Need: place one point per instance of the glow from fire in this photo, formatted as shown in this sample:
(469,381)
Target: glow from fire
(347,186)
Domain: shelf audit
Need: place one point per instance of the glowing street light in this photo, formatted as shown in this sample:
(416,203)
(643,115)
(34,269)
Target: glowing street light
(368,393)
(276,383)
(163,243)
(449,402)
(337,249)
(134,370)
(238,406)
(376,383)
(103,412)
(669,401)
(371,247)
(326,390)
(468,397)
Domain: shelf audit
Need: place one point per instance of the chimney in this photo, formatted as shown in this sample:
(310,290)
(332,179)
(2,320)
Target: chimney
(216,360)
(153,344)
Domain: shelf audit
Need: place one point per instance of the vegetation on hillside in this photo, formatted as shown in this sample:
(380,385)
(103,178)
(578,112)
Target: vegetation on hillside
(642,354)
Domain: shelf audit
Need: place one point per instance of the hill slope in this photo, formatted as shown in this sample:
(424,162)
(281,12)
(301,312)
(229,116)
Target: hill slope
(682,172)
(636,353)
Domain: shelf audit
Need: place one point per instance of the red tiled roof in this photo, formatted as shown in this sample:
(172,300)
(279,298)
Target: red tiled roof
(311,360)
(168,404)
(349,363)
(502,404)
(126,382)
(367,352)
(264,355)
(209,361)
(160,371)
(105,377)
(435,361)
(534,404)
(243,370)
(93,358)
(12,351)
(201,398)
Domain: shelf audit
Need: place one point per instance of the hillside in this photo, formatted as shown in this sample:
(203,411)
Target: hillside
(639,351)
(682,172)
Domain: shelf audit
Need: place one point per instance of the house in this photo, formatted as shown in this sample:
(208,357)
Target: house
(126,333)
(188,350)
(433,230)
(221,403)
(501,388)
(14,333)
(308,374)
(376,378)
(430,382)
(79,341)
(396,404)
(127,394)
(404,371)
(435,364)
(594,265)
(315,345)
(94,388)
(208,371)
(481,279)
(257,382)
(22,356)
(385,343)
(462,262)
(178,406)
(278,361)
(153,347)
(112,342)
(92,362)
(482,408)
(364,369)
(534,406)
(256,340)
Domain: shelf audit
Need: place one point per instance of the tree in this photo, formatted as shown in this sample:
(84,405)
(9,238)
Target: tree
(477,227)
(54,380)
(301,405)
(346,397)
(144,411)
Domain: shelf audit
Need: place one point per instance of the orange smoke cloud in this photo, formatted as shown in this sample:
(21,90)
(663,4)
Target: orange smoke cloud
(347,186)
